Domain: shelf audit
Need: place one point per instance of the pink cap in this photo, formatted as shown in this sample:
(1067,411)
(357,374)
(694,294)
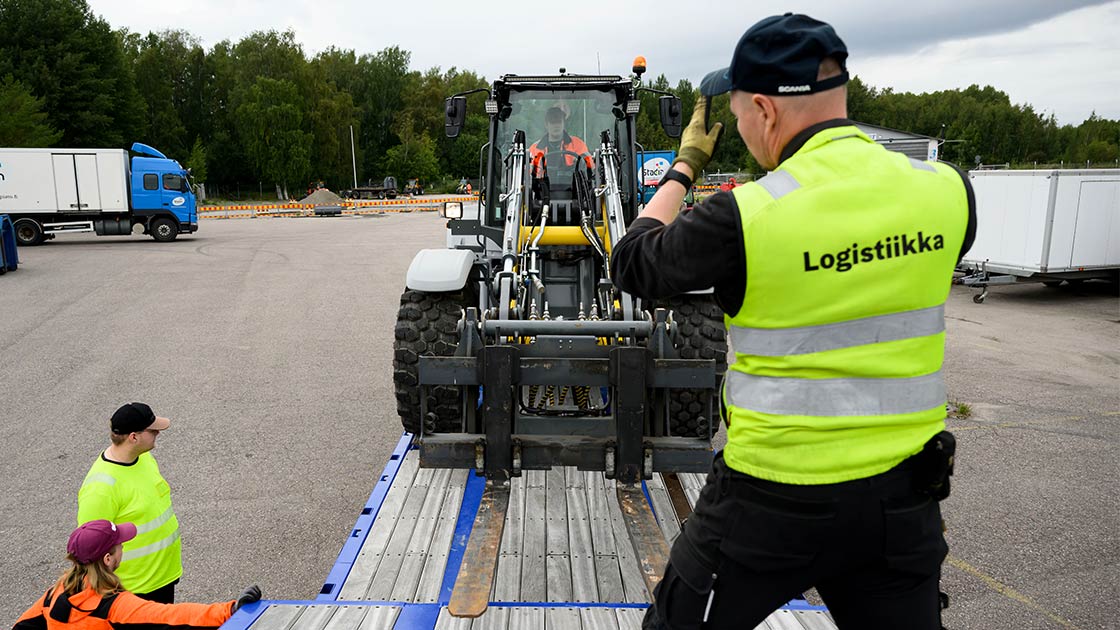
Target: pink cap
(94,539)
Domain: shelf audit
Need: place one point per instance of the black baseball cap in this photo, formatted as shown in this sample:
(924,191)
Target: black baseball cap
(780,56)
(134,417)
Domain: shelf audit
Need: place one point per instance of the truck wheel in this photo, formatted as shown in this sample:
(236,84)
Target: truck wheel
(28,232)
(426,326)
(700,335)
(163,230)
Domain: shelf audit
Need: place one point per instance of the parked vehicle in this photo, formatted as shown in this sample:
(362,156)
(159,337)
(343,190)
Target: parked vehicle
(52,191)
(1044,226)
(413,187)
(387,190)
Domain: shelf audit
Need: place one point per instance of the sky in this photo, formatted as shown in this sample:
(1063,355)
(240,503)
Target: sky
(1060,56)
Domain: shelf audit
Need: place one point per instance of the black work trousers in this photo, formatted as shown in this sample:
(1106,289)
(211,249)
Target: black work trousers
(162,595)
(872,547)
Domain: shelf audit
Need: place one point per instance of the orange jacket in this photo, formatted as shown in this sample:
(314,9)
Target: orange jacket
(568,143)
(89,611)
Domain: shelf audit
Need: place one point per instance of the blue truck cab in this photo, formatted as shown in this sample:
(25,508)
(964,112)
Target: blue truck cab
(162,189)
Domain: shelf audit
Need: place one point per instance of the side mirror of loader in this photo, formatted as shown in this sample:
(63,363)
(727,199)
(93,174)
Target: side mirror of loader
(671,115)
(456,109)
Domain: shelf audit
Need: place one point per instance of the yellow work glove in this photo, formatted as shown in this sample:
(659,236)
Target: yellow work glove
(698,142)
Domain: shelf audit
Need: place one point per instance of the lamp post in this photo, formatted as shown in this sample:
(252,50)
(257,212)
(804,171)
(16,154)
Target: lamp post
(353,159)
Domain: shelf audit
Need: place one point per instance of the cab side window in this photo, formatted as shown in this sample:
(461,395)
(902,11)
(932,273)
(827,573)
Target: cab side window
(151,181)
(172,182)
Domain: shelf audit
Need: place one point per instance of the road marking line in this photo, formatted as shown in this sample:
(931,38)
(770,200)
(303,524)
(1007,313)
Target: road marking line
(1008,592)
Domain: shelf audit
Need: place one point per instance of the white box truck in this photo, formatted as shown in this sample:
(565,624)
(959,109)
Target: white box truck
(1044,226)
(52,191)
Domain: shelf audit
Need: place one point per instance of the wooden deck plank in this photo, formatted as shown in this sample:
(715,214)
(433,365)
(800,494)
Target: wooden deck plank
(348,617)
(314,617)
(530,618)
(379,618)
(277,617)
(598,512)
(365,565)
(558,563)
(412,566)
(562,619)
(609,575)
(598,619)
(494,619)
(534,546)
(630,618)
(431,580)
(507,583)
(392,559)
(582,553)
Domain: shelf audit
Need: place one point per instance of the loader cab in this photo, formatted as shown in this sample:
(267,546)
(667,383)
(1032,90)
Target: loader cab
(589,106)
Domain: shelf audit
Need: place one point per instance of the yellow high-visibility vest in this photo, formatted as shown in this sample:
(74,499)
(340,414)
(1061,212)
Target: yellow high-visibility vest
(136,493)
(850,251)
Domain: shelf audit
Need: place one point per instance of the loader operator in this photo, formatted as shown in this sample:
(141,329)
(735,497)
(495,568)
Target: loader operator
(833,270)
(556,139)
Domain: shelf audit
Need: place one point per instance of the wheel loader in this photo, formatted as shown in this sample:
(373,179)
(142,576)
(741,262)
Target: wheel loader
(514,350)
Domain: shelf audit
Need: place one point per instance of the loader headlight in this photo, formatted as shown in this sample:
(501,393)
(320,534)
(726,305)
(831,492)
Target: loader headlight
(633,107)
(452,210)
(491,106)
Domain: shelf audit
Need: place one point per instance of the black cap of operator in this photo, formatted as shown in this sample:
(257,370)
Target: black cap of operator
(780,56)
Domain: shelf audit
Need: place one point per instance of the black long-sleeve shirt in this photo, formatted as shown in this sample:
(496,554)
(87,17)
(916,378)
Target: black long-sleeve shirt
(703,248)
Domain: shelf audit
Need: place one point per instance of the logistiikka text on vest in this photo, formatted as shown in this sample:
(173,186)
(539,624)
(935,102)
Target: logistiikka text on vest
(885,249)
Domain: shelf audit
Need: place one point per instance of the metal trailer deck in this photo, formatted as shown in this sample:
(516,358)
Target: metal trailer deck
(565,562)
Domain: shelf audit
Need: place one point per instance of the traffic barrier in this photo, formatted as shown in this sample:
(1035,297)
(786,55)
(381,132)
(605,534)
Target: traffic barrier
(350,207)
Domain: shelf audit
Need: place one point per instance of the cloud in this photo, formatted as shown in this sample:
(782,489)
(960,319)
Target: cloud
(1067,65)
(916,46)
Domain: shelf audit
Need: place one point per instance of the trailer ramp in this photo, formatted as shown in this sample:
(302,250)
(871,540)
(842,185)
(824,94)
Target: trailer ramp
(565,556)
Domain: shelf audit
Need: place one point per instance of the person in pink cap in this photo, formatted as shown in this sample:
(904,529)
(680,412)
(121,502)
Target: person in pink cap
(89,595)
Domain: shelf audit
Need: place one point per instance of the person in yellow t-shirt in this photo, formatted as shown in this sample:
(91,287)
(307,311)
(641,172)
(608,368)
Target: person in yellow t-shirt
(124,484)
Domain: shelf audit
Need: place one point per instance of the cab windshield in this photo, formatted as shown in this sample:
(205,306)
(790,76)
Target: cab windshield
(563,130)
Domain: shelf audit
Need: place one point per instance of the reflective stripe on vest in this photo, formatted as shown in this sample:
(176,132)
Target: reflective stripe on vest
(835,396)
(96,477)
(776,342)
(149,549)
(143,528)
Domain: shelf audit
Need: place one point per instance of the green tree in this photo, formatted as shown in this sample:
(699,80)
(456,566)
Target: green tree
(270,124)
(415,156)
(196,162)
(74,61)
(22,121)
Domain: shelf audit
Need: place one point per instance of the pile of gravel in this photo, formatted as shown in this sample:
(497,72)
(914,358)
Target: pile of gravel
(321,197)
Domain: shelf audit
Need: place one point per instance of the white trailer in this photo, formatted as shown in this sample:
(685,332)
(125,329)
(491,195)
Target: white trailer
(1044,226)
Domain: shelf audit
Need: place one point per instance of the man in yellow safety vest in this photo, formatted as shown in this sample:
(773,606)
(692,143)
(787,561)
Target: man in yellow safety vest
(833,271)
(124,485)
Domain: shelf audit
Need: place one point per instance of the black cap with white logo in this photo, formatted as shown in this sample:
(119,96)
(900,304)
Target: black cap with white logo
(780,56)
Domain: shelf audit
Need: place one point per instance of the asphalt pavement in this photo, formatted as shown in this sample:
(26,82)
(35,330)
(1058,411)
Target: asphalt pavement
(268,342)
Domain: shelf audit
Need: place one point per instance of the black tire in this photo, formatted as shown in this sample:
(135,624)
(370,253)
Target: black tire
(1052,284)
(426,326)
(28,232)
(700,335)
(163,230)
